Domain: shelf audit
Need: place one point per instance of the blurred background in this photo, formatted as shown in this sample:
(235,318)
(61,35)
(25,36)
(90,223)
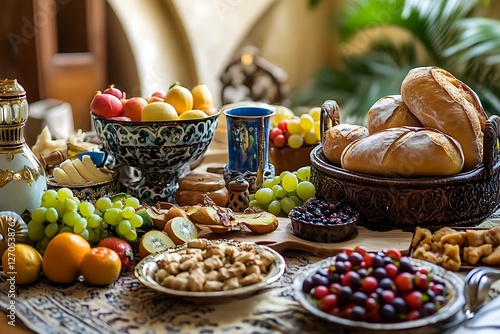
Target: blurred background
(302,51)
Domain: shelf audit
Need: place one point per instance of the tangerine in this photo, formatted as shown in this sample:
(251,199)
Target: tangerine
(63,256)
(101,266)
(22,262)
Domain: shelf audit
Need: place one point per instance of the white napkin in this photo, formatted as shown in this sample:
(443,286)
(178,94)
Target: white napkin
(486,320)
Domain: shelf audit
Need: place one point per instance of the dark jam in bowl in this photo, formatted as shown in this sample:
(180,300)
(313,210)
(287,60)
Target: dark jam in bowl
(322,221)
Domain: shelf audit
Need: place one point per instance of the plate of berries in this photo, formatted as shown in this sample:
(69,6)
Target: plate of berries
(379,291)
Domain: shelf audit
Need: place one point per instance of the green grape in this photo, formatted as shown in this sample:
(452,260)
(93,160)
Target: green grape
(97,235)
(274,207)
(65,229)
(113,216)
(128,212)
(305,190)
(80,225)
(87,209)
(91,234)
(117,204)
(60,208)
(49,198)
(304,173)
(253,203)
(94,221)
(64,193)
(296,200)
(136,221)
(51,229)
(45,242)
(317,130)
(124,227)
(32,223)
(36,233)
(289,182)
(283,173)
(251,197)
(276,180)
(287,204)
(77,201)
(133,202)
(306,122)
(310,137)
(52,215)
(131,235)
(264,195)
(38,215)
(70,218)
(279,192)
(315,113)
(293,126)
(85,234)
(268,183)
(295,141)
(70,204)
(103,203)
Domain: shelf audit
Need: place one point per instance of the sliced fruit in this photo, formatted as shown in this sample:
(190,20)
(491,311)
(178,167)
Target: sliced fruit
(260,222)
(154,241)
(159,219)
(181,230)
(219,229)
(173,212)
(205,215)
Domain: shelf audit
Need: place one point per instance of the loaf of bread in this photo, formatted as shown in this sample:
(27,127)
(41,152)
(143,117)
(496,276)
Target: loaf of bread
(390,112)
(441,101)
(338,137)
(404,152)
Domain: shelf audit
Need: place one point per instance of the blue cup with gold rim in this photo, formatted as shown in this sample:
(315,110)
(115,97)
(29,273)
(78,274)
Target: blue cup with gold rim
(248,138)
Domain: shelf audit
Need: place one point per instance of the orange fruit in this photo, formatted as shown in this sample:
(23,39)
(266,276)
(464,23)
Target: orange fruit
(101,266)
(180,97)
(202,97)
(154,241)
(63,256)
(22,262)
(181,230)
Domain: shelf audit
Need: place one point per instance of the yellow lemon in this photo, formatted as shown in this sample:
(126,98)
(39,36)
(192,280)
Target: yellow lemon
(202,98)
(193,114)
(180,98)
(22,262)
(158,112)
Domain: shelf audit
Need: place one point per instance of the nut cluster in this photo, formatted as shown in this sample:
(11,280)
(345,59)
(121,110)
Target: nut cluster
(203,266)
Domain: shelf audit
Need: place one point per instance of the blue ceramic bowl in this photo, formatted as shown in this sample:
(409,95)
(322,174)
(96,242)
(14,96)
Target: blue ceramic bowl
(160,151)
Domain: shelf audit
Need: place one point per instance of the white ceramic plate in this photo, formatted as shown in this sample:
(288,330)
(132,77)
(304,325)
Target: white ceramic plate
(146,268)
(455,299)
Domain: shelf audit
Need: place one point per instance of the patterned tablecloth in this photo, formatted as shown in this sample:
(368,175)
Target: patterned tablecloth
(127,306)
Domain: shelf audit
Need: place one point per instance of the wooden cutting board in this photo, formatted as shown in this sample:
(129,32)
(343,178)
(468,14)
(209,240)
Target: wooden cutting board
(283,238)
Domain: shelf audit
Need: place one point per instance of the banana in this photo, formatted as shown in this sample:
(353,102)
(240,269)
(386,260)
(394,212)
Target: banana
(91,167)
(73,174)
(82,169)
(61,177)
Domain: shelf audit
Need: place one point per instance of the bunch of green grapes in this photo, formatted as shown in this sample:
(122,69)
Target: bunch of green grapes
(284,192)
(61,211)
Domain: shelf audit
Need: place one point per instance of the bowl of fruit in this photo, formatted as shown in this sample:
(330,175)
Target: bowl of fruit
(292,138)
(321,221)
(160,137)
(379,291)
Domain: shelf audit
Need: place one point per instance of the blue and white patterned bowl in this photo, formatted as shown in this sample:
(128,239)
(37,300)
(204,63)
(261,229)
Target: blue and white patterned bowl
(160,151)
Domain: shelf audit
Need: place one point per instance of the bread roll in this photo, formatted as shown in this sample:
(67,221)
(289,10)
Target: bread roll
(390,112)
(441,101)
(404,152)
(338,137)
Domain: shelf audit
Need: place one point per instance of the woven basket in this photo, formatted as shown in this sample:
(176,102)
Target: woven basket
(461,200)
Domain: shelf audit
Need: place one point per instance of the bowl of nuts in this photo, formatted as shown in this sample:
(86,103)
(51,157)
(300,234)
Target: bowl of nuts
(208,270)
(322,221)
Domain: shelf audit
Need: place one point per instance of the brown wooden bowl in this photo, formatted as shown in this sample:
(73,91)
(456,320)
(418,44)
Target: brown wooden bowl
(289,159)
(464,199)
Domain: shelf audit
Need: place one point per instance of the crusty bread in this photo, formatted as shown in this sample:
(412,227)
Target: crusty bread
(404,152)
(389,112)
(338,137)
(441,101)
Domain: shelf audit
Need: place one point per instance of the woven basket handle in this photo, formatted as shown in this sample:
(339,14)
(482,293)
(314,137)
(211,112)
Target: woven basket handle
(330,116)
(490,143)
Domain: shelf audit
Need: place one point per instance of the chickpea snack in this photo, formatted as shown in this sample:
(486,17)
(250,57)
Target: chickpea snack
(211,269)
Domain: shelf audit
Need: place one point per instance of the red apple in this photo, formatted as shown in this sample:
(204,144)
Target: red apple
(211,111)
(106,105)
(154,98)
(160,94)
(121,118)
(133,108)
(112,90)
